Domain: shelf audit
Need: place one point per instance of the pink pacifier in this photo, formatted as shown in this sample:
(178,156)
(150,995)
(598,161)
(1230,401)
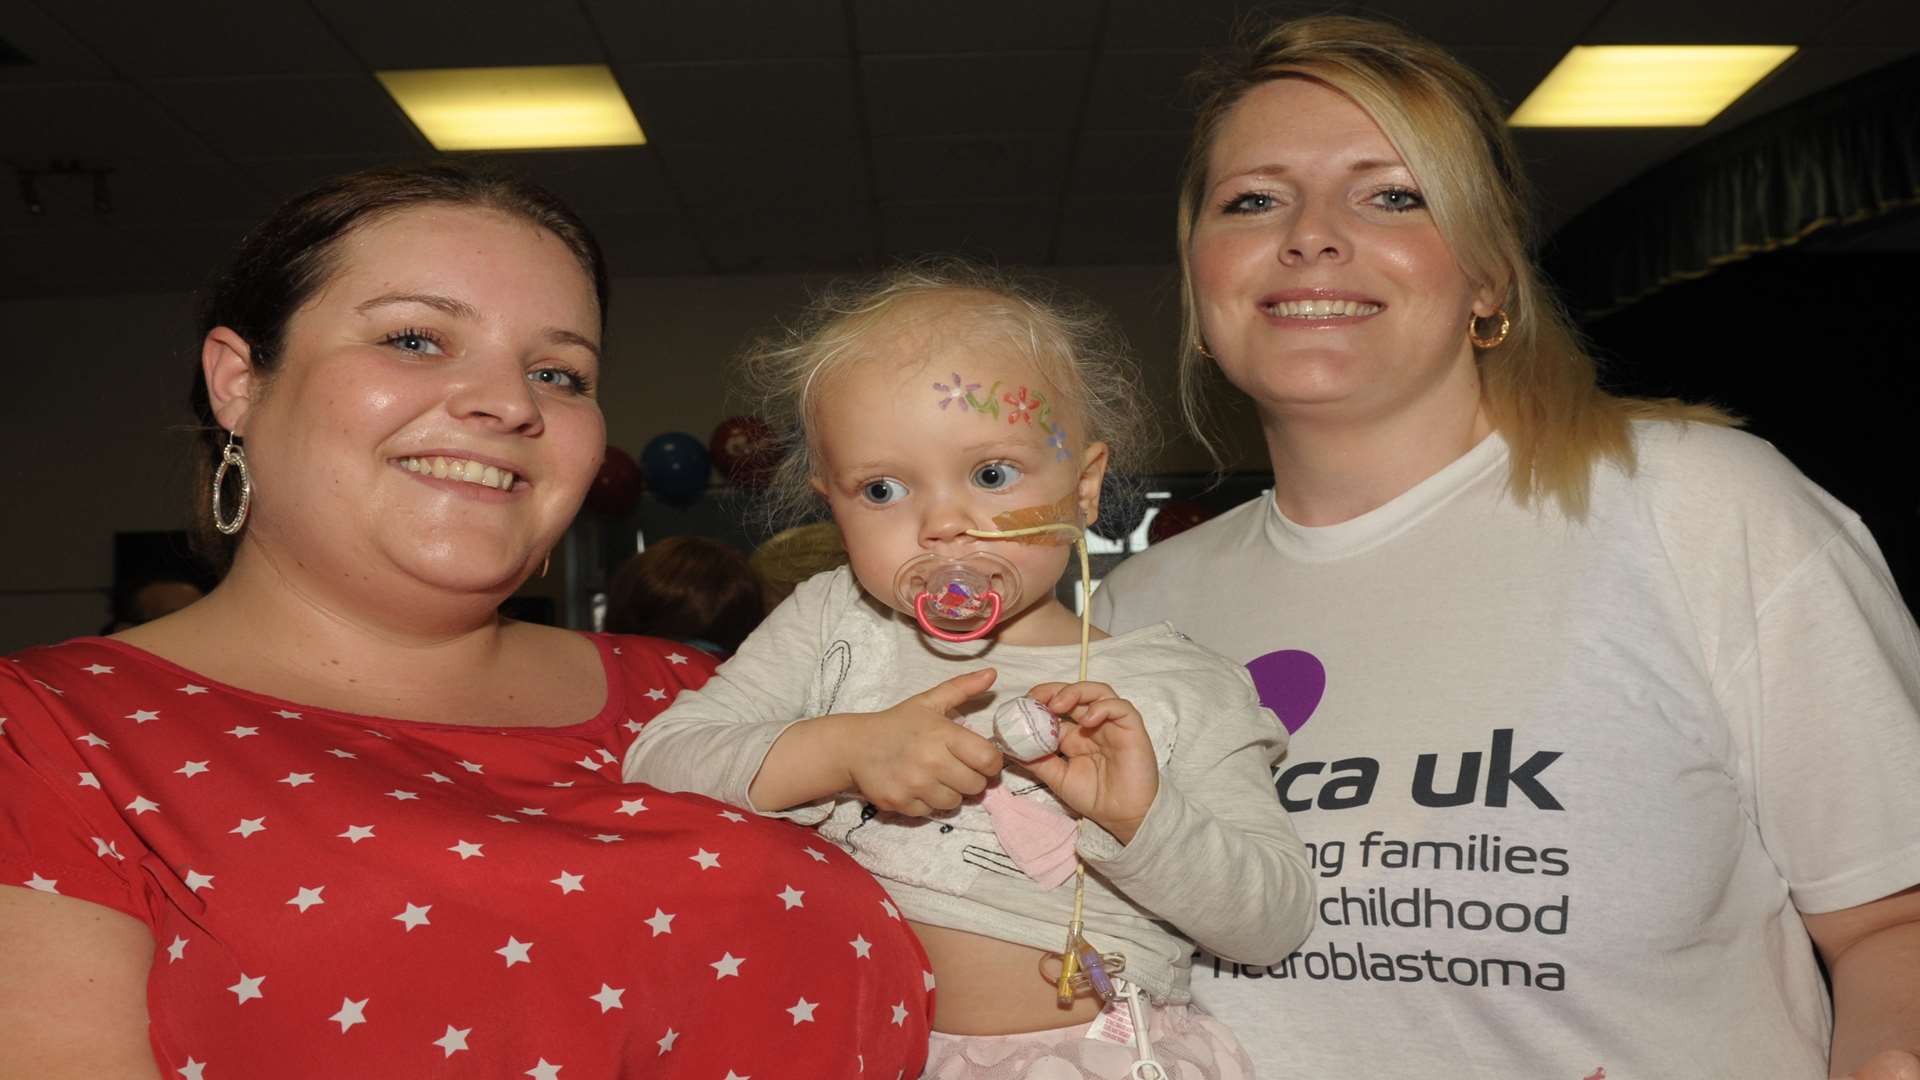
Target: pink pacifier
(964,592)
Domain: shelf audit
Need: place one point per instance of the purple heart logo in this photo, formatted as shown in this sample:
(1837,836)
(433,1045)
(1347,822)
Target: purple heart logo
(1290,683)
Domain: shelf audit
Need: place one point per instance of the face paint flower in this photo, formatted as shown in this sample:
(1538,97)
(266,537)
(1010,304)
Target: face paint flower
(1057,438)
(957,392)
(1019,407)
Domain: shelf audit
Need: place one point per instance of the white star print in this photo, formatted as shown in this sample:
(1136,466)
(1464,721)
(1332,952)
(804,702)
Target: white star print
(661,922)
(42,884)
(657,694)
(401,796)
(900,1013)
(192,769)
(532,811)
(570,883)
(454,1039)
(191,689)
(49,686)
(802,1011)
(515,951)
(731,1075)
(545,1070)
(416,916)
(247,988)
(470,766)
(104,848)
(87,779)
(466,850)
(142,805)
(191,1070)
(242,732)
(815,856)
(862,948)
(286,714)
(295,779)
(733,817)
(508,818)
(437,778)
(927,977)
(347,755)
(351,1013)
(357,833)
(94,740)
(666,1041)
(608,998)
(892,912)
(631,807)
(588,764)
(608,838)
(141,716)
(97,669)
(728,964)
(249,826)
(308,896)
(177,951)
(606,755)
(377,734)
(197,881)
(675,658)
(708,860)
(633,725)
(790,896)
(561,783)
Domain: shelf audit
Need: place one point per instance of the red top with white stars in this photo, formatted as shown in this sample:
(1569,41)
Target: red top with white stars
(336,895)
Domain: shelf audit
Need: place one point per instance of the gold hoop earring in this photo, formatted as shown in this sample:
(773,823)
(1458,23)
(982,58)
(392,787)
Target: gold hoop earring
(1479,342)
(1205,352)
(233,456)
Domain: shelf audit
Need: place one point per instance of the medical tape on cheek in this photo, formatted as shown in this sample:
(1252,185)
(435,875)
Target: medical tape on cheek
(1065,512)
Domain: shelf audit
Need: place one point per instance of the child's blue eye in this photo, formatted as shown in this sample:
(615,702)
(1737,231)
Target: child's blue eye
(882,492)
(997,475)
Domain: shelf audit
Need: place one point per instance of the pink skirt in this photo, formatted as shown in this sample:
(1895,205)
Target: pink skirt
(1188,1043)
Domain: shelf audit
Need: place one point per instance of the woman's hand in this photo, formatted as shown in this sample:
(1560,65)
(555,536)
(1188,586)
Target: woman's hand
(913,758)
(1108,773)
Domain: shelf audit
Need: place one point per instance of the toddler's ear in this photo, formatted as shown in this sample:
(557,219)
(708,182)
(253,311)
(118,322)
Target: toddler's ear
(1093,469)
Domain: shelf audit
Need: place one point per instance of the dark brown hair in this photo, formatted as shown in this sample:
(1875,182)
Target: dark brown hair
(285,260)
(687,588)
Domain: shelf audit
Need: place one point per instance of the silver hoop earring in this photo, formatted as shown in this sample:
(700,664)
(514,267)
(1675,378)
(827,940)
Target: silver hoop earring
(233,455)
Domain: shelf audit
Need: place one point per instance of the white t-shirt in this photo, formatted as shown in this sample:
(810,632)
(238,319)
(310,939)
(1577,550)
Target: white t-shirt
(1566,786)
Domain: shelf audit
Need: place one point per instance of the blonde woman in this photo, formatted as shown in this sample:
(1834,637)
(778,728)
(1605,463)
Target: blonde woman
(1605,717)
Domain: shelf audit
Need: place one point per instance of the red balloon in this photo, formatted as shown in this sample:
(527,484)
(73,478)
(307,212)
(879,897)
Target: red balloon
(616,487)
(745,451)
(1175,518)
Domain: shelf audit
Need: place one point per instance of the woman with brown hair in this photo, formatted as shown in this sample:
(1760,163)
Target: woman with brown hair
(339,818)
(1606,719)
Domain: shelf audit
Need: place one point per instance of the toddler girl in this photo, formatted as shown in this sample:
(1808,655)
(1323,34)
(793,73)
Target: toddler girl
(1059,865)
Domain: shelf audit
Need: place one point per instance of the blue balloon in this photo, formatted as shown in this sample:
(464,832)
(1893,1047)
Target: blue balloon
(676,467)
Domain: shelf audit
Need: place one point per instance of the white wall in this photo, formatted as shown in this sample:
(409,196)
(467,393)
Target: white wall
(95,400)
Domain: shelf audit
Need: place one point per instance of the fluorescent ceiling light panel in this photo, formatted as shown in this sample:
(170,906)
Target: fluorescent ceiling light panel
(515,108)
(1646,85)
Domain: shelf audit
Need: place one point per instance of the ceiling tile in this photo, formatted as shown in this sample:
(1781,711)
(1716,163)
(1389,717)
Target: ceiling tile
(74,257)
(1130,163)
(285,177)
(53,54)
(765,176)
(103,122)
(778,240)
(720,29)
(1875,23)
(930,170)
(189,257)
(1807,73)
(485,33)
(1142,91)
(143,191)
(1010,233)
(1106,230)
(193,37)
(785,99)
(1511,72)
(1707,22)
(648,245)
(255,118)
(947,95)
(1495,23)
(1573,168)
(1191,24)
(962,26)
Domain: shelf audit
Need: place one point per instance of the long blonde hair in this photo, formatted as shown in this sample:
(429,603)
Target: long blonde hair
(1540,385)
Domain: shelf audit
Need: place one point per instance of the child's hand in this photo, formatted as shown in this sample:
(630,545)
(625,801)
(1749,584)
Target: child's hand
(1108,774)
(913,759)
